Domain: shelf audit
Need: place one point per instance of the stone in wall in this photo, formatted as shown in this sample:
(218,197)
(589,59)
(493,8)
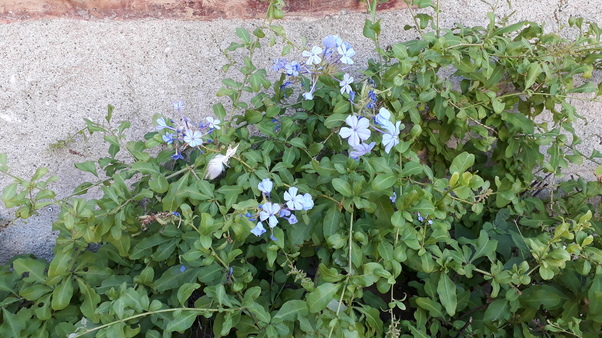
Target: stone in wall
(19,10)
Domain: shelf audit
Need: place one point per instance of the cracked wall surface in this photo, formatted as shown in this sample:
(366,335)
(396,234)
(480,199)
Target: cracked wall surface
(54,72)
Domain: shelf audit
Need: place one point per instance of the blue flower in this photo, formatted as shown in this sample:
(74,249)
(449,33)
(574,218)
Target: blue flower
(390,138)
(420,218)
(175,213)
(358,132)
(346,52)
(292,219)
(250,217)
(265,186)
(161,124)
(372,96)
(258,230)
(361,149)
(345,84)
(178,105)
(351,96)
(279,64)
(285,84)
(193,138)
(394,197)
(293,68)
(332,41)
(182,268)
(213,123)
(308,202)
(313,56)
(294,201)
(284,213)
(270,210)
(272,237)
(168,138)
(177,156)
(383,117)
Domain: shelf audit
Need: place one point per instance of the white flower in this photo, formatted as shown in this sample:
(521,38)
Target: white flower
(213,123)
(258,230)
(313,57)
(345,83)
(358,132)
(383,117)
(307,202)
(293,201)
(265,186)
(269,212)
(361,149)
(346,52)
(390,138)
(308,96)
(216,165)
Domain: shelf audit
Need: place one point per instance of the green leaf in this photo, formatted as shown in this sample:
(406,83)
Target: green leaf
(461,163)
(484,246)
(425,207)
(499,309)
(91,300)
(61,263)
(12,324)
(40,172)
(341,108)
(383,182)
(35,292)
(243,34)
(342,187)
(34,269)
(532,74)
(219,111)
(334,120)
(170,279)
(446,289)
(110,109)
(181,321)
(158,183)
(291,310)
(520,122)
(61,296)
(297,142)
(332,219)
(430,305)
(260,312)
(318,299)
(185,291)
(589,87)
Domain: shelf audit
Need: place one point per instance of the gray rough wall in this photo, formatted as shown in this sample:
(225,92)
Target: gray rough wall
(54,73)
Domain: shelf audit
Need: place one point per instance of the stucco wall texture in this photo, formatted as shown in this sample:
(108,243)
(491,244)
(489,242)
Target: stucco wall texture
(56,71)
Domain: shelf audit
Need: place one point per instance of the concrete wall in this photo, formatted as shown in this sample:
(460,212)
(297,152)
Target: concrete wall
(56,71)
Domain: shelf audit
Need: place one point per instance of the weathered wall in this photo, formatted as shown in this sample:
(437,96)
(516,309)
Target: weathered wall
(15,10)
(55,72)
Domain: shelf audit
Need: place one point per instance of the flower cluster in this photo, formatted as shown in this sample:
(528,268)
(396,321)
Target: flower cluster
(358,131)
(186,133)
(335,55)
(269,211)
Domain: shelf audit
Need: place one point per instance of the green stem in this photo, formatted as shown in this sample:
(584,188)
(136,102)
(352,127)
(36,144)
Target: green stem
(150,313)
(351,243)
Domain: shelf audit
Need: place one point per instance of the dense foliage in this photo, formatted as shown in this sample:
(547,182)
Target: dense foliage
(414,198)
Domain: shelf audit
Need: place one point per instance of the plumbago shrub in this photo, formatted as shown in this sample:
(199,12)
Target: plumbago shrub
(338,201)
